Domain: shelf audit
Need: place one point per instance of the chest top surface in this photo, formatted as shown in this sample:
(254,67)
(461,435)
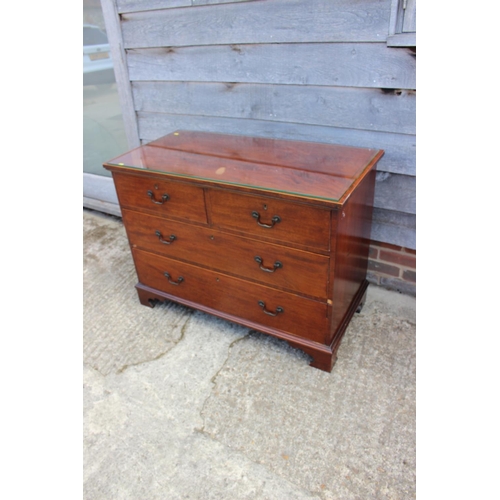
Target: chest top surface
(296,168)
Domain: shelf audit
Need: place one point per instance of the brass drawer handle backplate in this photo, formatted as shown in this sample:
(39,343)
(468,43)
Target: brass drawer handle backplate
(274,220)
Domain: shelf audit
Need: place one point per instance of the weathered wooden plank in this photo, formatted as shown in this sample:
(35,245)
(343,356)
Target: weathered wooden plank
(400,149)
(356,108)
(394,17)
(395,192)
(349,65)
(410,17)
(102,206)
(99,187)
(402,40)
(395,228)
(145,5)
(212,2)
(276,21)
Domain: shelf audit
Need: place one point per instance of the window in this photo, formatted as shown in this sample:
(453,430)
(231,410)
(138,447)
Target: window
(103,127)
(403,27)
(92,35)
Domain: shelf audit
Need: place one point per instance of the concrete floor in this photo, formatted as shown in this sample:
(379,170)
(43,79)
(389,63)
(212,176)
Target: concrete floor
(182,405)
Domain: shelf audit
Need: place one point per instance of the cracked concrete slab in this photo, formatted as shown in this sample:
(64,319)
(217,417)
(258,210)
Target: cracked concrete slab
(119,331)
(143,426)
(179,404)
(348,434)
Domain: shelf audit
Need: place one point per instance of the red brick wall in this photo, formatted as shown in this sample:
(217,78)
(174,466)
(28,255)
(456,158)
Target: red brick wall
(392,267)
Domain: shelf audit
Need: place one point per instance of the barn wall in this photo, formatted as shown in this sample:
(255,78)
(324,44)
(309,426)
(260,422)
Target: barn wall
(317,70)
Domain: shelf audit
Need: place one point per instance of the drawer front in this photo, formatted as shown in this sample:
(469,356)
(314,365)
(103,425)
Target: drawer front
(274,265)
(160,197)
(263,217)
(257,303)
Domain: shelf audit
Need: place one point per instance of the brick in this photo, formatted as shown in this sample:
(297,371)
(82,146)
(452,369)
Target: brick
(399,258)
(380,267)
(389,246)
(373,254)
(410,276)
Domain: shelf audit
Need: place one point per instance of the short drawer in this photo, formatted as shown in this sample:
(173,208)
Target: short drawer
(264,217)
(275,265)
(161,197)
(260,304)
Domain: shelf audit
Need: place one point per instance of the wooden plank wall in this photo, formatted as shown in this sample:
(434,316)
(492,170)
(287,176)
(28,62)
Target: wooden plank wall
(316,70)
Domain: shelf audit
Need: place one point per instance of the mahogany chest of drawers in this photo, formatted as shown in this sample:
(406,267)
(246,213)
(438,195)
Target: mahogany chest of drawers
(271,234)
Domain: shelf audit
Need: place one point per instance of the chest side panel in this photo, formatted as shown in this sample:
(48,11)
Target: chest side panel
(352,244)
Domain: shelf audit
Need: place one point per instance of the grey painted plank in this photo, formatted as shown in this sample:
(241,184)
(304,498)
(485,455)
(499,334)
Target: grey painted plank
(402,40)
(212,2)
(274,21)
(112,23)
(391,217)
(395,192)
(400,150)
(410,16)
(100,188)
(145,5)
(354,108)
(339,64)
(102,206)
(394,227)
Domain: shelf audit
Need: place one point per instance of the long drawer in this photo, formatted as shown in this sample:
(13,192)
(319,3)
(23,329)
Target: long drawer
(275,265)
(266,217)
(257,303)
(161,197)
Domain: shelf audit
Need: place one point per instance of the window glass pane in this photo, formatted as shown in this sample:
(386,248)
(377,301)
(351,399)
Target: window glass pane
(103,130)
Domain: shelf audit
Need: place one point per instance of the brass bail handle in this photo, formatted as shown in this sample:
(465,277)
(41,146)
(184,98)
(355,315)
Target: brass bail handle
(276,265)
(270,313)
(171,238)
(164,198)
(180,279)
(274,220)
